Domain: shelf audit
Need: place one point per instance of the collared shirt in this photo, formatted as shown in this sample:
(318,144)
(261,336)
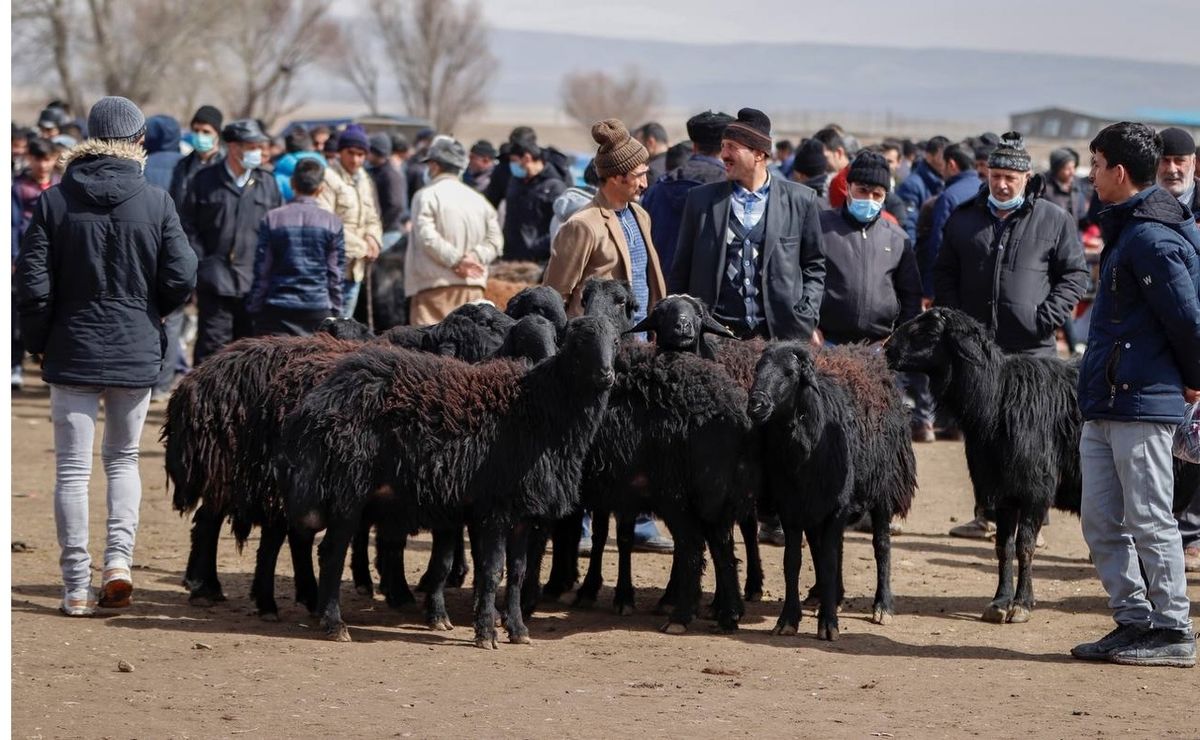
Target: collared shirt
(748,207)
(1186,197)
(637,260)
(239,181)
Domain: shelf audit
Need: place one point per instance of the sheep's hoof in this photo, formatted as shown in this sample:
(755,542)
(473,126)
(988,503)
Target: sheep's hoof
(882,616)
(786,630)
(339,633)
(623,610)
(520,639)
(486,643)
(269,616)
(206,599)
(440,624)
(828,632)
(994,614)
(674,628)
(1018,614)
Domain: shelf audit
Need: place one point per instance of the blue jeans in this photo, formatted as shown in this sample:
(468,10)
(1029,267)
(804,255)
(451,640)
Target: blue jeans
(74,409)
(173,326)
(1128,484)
(350,290)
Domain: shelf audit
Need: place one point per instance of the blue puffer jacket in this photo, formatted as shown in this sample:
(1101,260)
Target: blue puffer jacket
(162,144)
(1144,341)
(917,188)
(300,260)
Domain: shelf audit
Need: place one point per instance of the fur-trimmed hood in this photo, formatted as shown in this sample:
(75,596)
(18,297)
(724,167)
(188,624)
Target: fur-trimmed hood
(105,173)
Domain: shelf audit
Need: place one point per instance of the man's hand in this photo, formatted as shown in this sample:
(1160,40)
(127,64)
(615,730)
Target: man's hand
(1191,395)
(926,304)
(373,249)
(469,267)
(818,339)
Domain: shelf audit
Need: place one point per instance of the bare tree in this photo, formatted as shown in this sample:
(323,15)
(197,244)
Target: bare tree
(592,96)
(360,65)
(271,42)
(441,56)
(43,35)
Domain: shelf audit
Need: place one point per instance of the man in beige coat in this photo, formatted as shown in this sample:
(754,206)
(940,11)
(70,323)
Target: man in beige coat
(610,238)
(349,194)
(455,234)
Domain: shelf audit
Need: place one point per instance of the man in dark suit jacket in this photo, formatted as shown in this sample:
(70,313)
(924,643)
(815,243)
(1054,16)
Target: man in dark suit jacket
(750,247)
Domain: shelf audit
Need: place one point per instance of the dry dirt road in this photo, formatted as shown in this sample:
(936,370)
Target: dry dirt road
(937,671)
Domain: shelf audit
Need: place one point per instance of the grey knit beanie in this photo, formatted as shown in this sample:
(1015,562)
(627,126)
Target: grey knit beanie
(115,118)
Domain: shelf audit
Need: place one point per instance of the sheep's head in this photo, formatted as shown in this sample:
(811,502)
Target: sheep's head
(345,329)
(679,323)
(470,332)
(933,341)
(783,374)
(588,352)
(540,300)
(533,338)
(612,300)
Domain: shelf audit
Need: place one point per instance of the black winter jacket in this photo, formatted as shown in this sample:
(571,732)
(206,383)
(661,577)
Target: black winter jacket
(185,169)
(871,278)
(103,260)
(1020,277)
(221,220)
(529,206)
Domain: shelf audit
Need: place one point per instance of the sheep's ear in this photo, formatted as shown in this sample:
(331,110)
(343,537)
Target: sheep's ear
(650,323)
(712,326)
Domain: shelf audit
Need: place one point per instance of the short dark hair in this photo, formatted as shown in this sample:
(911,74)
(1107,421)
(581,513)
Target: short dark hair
(1132,145)
(399,144)
(40,148)
(525,145)
(298,140)
(908,148)
(784,144)
(654,129)
(960,154)
(830,139)
(308,176)
(890,145)
(936,144)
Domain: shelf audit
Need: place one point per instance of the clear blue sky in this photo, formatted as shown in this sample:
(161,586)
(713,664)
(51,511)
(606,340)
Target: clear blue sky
(1077,27)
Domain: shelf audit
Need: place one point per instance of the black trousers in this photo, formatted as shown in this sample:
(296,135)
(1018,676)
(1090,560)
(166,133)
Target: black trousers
(291,322)
(222,319)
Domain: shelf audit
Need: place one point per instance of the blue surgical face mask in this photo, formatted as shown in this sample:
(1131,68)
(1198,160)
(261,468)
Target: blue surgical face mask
(252,158)
(1006,205)
(517,170)
(863,210)
(203,143)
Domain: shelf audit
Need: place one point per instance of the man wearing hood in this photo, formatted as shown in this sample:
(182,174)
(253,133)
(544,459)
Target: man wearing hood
(1142,360)
(162,147)
(664,199)
(103,261)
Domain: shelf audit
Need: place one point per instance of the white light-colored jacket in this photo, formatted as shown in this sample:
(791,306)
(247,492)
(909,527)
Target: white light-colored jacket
(449,220)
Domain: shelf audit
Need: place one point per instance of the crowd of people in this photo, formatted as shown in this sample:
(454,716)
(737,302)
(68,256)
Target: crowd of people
(829,241)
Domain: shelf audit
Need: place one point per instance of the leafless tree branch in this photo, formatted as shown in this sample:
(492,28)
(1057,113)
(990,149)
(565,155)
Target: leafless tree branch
(592,96)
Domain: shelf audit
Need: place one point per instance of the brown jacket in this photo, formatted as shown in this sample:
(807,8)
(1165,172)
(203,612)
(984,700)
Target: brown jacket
(592,244)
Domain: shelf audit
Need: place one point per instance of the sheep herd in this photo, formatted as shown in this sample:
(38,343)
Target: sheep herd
(514,424)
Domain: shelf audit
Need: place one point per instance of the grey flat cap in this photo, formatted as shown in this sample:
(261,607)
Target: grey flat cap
(245,130)
(447,151)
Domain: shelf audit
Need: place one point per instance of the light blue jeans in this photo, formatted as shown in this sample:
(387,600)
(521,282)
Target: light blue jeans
(350,290)
(1128,484)
(74,409)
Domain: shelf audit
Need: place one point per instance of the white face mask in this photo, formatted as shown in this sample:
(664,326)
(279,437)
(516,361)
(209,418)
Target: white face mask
(252,158)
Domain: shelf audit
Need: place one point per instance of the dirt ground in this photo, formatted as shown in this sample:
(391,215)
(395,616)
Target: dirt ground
(937,671)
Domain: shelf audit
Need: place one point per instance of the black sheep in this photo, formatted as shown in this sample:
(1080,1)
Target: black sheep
(1021,427)
(348,329)
(426,439)
(837,438)
(540,300)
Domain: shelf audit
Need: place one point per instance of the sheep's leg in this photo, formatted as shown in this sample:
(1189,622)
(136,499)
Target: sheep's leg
(689,548)
(390,543)
(623,596)
(269,543)
(1027,531)
(793,557)
(487,578)
(518,552)
(459,569)
(585,597)
(1006,530)
(535,552)
(728,602)
(332,556)
(826,562)
(564,562)
(201,576)
(300,542)
(441,560)
(666,603)
(881,540)
(754,568)
(360,559)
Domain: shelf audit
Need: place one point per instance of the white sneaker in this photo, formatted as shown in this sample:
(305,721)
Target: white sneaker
(81,603)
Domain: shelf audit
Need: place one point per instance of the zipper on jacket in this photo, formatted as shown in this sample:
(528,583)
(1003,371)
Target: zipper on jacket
(1110,372)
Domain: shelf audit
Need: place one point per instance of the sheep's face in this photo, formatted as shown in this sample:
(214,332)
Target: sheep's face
(919,344)
(533,338)
(783,372)
(678,321)
(345,329)
(610,299)
(540,300)
(588,352)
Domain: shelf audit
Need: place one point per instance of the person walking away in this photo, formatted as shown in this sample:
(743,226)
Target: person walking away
(456,234)
(103,260)
(221,212)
